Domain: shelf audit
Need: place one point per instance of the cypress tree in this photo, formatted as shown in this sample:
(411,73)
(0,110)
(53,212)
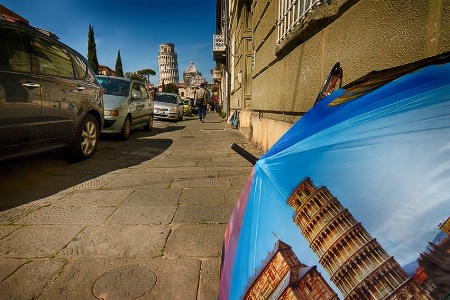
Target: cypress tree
(119,70)
(92,51)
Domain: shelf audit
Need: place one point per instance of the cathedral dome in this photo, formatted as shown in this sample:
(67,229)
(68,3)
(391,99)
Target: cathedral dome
(191,68)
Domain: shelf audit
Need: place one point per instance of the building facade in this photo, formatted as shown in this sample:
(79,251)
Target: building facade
(168,64)
(276,54)
(191,80)
(357,264)
(105,70)
(283,276)
(192,77)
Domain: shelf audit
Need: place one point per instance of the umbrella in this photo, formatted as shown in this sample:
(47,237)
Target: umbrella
(353,202)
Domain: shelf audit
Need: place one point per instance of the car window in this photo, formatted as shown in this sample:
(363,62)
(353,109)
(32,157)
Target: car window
(166,98)
(53,59)
(144,91)
(135,90)
(79,66)
(14,50)
(113,86)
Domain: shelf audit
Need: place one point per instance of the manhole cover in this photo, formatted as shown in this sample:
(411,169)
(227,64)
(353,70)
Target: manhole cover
(124,283)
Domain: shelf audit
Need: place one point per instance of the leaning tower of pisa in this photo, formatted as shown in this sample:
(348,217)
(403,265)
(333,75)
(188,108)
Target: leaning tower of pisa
(357,264)
(168,64)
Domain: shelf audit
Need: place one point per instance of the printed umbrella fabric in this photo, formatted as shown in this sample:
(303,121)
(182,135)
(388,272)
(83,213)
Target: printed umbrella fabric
(353,201)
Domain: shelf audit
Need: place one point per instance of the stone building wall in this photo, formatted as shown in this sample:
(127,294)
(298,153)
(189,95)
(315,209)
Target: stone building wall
(276,84)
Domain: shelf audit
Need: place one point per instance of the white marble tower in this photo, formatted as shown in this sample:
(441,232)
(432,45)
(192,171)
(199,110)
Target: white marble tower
(168,64)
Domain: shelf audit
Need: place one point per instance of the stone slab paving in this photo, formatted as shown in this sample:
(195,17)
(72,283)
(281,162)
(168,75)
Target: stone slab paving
(67,215)
(153,197)
(195,240)
(160,215)
(6,230)
(202,182)
(148,180)
(31,279)
(143,220)
(209,278)
(118,241)
(176,279)
(207,195)
(37,240)
(9,265)
(205,213)
(191,174)
(95,198)
(12,215)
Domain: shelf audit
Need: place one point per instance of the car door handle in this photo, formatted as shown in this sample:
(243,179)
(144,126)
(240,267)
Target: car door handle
(31,84)
(80,88)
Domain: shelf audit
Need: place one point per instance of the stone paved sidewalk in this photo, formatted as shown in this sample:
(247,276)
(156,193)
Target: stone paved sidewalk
(136,224)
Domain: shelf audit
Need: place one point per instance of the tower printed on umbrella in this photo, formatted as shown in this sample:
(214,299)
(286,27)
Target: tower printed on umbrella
(357,264)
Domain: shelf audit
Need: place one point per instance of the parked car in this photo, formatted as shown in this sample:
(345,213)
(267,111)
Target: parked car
(194,108)
(168,106)
(187,107)
(49,96)
(128,105)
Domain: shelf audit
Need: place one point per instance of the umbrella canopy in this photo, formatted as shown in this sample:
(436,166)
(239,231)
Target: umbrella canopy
(353,201)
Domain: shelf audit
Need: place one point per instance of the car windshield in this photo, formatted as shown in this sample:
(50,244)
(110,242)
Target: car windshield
(187,101)
(114,86)
(166,98)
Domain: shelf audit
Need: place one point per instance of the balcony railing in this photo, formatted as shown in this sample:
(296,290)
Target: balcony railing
(218,42)
(291,13)
(217,75)
(219,48)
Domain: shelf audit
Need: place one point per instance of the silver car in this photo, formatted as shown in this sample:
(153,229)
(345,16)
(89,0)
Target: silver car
(128,105)
(168,106)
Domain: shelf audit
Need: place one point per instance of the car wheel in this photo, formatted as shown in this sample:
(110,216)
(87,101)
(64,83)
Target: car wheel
(149,125)
(126,129)
(86,139)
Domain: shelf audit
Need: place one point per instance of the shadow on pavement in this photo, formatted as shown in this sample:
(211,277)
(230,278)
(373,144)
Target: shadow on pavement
(27,179)
(138,133)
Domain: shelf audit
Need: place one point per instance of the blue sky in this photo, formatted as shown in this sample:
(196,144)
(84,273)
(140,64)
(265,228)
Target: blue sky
(135,27)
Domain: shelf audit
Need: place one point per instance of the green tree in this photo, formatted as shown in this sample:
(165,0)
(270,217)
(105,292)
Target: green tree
(92,50)
(135,76)
(119,69)
(170,88)
(146,73)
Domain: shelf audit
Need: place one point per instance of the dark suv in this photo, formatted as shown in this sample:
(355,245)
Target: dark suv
(49,96)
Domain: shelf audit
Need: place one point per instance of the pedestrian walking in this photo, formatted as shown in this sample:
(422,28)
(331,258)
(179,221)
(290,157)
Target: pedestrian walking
(201,101)
(215,103)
